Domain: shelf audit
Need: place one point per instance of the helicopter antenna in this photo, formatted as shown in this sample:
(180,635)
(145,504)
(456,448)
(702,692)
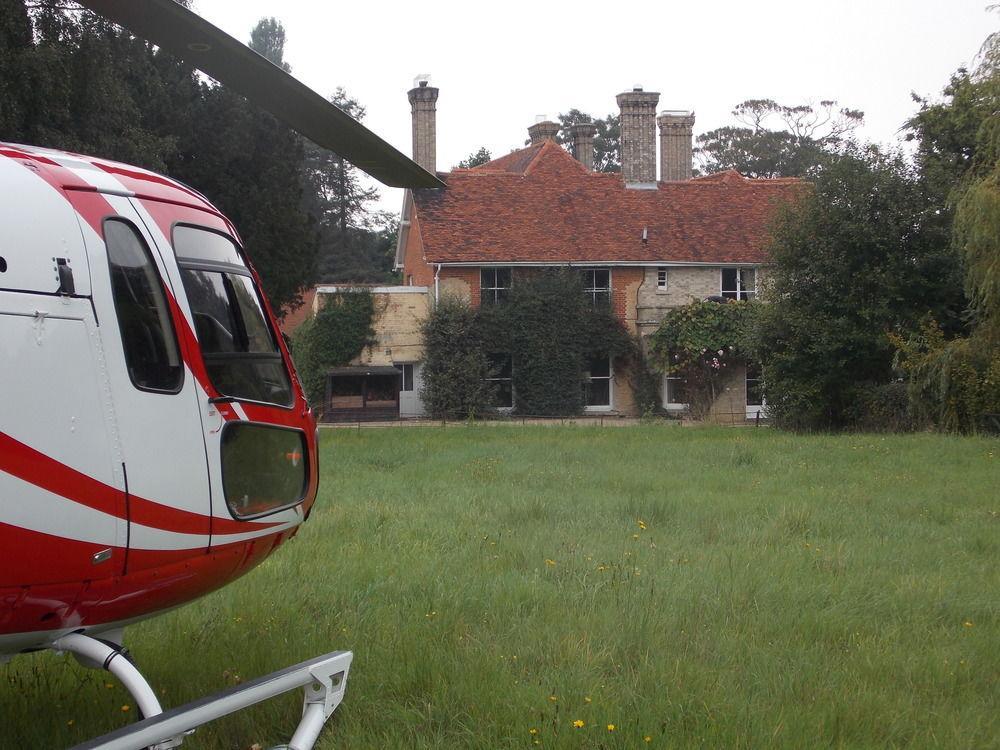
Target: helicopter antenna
(191,38)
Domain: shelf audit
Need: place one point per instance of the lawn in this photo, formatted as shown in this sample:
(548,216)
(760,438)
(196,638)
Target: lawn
(585,587)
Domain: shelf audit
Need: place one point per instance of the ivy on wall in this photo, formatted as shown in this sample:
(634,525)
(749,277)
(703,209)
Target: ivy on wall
(548,327)
(333,337)
(701,342)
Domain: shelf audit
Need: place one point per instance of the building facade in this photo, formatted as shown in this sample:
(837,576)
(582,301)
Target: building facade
(641,244)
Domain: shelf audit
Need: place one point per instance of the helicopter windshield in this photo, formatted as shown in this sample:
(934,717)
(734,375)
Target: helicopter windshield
(237,344)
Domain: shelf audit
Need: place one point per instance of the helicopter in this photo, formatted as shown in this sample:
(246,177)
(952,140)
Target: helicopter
(155,442)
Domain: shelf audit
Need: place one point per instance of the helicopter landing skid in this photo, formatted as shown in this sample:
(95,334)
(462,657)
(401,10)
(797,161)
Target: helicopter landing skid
(323,678)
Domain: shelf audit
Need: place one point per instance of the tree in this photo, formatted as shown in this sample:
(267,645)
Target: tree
(268,39)
(475,159)
(607,141)
(773,140)
(861,255)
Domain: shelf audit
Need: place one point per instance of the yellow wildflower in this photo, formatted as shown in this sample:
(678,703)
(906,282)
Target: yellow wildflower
(586,699)
(553,698)
(647,738)
(532,731)
(611,727)
(967,624)
(578,724)
(549,562)
(126,708)
(642,524)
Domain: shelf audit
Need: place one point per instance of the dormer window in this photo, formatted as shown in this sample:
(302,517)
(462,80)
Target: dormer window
(494,285)
(739,283)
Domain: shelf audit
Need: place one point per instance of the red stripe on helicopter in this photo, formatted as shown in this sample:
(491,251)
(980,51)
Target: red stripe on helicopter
(34,467)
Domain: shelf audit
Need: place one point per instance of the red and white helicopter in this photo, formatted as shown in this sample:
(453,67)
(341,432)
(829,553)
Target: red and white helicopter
(155,443)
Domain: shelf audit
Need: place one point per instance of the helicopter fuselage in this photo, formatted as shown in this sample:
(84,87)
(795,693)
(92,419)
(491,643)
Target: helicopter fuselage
(155,442)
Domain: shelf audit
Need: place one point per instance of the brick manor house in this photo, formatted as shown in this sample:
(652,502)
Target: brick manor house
(642,244)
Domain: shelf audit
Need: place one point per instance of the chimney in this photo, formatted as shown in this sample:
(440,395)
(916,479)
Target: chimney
(423,100)
(583,143)
(638,125)
(542,129)
(676,127)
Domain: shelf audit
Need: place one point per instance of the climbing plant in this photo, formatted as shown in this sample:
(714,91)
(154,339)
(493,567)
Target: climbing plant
(701,342)
(547,327)
(337,334)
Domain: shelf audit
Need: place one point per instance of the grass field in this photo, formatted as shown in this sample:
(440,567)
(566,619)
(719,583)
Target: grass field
(659,586)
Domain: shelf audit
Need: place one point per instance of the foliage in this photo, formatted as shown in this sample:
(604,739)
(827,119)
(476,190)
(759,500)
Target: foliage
(475,159)
(803,134)
(548,327)
(455,363)
(607,140)
(861,255)
(885,407)
(701,342)
(71,80)
(338,333)
(952,384)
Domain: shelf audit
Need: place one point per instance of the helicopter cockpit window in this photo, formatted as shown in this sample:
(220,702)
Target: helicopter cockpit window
(152,356)
(237,343)
(263,468)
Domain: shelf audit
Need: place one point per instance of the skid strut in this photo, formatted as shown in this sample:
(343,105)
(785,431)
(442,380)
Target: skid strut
(323,678)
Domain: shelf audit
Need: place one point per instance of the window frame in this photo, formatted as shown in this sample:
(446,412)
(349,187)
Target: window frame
(495,293)
(739,293)
(610,378)
(508,379)
(403,380)
(753,410)
(185,263)
(166,294)
(662,279)
(669,405)
(306,459)
(590,287)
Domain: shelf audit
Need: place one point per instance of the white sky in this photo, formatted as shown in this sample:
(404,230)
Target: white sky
(500,64)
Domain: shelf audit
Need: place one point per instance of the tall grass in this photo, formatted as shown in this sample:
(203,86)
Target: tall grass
(690,587)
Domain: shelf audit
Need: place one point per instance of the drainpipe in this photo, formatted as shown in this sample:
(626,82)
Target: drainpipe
(437,286)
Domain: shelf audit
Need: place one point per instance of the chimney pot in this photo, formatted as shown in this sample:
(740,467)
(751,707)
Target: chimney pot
(423,109)
(582,135)
(676,129)
(638,128)
(543,130)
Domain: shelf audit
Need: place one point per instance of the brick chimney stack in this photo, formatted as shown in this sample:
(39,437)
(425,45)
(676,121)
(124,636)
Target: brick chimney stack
(542,129)
(676,128)
(638,125)
(423,103)
(583,143)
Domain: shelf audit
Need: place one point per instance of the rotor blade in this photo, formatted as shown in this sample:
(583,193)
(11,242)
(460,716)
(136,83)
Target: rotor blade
(190,37)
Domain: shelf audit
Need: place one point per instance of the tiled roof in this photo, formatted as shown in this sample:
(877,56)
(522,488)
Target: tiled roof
(539,205)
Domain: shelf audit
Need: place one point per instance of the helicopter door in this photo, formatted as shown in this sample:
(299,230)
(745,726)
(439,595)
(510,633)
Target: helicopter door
(156,397)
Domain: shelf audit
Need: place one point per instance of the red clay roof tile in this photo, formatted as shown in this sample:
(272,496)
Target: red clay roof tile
(539,205)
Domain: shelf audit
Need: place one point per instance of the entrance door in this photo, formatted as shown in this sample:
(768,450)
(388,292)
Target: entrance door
(156,402)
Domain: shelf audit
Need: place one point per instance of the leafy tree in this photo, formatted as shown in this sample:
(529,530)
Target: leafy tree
(268,39)
(774,140)
(607,141)
(860,255)
(475,159)
(955,382)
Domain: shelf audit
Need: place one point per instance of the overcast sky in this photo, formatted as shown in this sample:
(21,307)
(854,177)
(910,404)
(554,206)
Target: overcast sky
(498,65)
